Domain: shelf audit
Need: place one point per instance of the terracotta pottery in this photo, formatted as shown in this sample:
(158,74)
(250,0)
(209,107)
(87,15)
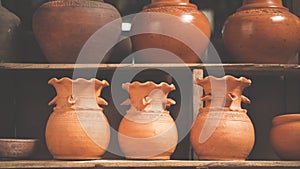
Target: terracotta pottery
(9,36)
(63,26)
(285,136)
(222,129)
(262,31)
(77,128)
(147,131)
(170,18)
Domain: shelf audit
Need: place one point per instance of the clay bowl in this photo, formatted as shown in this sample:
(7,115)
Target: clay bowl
(285,136)
(17,148)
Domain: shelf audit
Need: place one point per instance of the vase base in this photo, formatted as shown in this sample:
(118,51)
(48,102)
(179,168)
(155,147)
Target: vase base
(75,157)
(159,157)
(216,158)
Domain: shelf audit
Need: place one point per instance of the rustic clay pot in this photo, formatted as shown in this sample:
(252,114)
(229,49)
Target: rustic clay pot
(262,31)
(147,131)
(222,129)
(9,36)
(285,136)
(63,26)
(77,128)
(17,148)
(175,17)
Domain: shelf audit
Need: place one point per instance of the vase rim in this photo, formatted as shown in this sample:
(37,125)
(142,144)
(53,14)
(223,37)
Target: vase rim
(78,81)
(250,4)
(286,118)
(160,3)
(224,78)
(170,87)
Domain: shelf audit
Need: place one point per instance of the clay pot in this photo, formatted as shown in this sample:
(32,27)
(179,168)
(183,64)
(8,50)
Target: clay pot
(63,26)
(176,26)
(222,129)
(9,36)
(147,131)
(285,136)
(77,128)
(262,31)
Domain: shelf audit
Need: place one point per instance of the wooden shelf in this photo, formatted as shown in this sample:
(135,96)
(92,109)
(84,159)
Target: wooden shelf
(141,163)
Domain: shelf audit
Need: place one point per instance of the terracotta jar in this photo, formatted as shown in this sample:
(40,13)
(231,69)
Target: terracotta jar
(285,136)
(262,31)
(147,131)
(9,36)
(77,128)
(62,27)
(222,129)
(176,26)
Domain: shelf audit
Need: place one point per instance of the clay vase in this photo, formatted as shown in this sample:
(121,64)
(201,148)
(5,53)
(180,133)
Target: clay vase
(9,36)
(222,130)
(77,128)
(62,27)
(262,31)
(148,131)
(285,136)
(176,26)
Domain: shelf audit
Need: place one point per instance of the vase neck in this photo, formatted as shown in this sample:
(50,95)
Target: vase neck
(170,1)
(248,4)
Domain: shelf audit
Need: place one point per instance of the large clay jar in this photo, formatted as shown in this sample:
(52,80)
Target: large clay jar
(77,128)
(176,26)
(285,136)
(62,27)
(222,129)
(9,36)
(262,31)
(147,131)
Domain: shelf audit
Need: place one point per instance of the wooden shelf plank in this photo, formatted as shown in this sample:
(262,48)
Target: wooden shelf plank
(142,163)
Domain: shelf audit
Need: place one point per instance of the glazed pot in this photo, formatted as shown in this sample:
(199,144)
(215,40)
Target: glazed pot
(77,128)
(148,131)
(62,27)
(9,36)
(285,136)
(176,26)
(222,123)
(262,31)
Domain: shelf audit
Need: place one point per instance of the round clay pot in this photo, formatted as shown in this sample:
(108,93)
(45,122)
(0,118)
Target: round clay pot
(62,27)
(147,131)
(77,128)
(285,136)
(222,129)
(262,31)
(9,36)
(176,26)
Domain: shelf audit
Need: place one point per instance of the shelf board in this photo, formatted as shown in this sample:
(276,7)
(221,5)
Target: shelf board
(251,69)
(142,163)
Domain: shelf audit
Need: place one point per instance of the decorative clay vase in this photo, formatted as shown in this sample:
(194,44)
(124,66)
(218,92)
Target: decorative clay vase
(262,31)
(222,129)
(9,36)
(62,27)
(285,136)
(176,26)
(147,131)
(77,128)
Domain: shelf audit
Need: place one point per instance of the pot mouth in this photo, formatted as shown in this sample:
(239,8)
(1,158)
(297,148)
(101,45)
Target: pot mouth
(287,118)
(166,3)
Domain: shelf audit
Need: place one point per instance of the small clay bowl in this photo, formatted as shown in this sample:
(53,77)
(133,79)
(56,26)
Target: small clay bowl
(285,136)
(17,148)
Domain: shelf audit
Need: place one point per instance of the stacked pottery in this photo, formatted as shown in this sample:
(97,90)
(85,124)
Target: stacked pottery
(222,129)
(62,27)
(77,128)
(285,136)
(148,131)
(9,36)
(173,26)
(262,31)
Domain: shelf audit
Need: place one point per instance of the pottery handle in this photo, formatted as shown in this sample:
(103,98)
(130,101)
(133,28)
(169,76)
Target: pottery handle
(206,98)
(71,100)
(246,100)
(101,101)
(53,101)
(170,102)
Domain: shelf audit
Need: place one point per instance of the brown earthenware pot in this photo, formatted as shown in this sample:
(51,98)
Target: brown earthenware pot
(222,129)
(77,128)
(9,36)
(63,26)
(176,26)
(147,131)
(285,136)
(262,31)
